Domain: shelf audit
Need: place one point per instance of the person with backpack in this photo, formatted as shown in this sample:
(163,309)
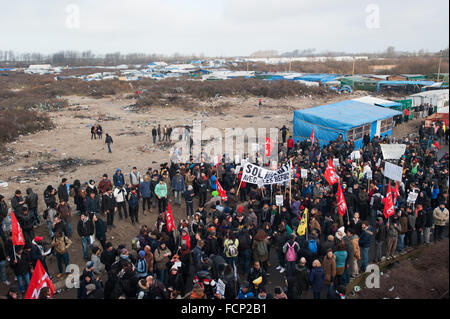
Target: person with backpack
(290,249)
(231,250)
(313,245)
(31,200)
(142,267)
(259,248)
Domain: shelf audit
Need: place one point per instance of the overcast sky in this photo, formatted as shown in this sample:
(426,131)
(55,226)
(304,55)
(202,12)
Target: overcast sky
(223,27)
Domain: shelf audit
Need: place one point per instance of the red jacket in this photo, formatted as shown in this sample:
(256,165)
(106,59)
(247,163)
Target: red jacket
(290,143)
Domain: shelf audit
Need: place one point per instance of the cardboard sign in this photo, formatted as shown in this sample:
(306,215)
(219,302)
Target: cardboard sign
(393,151)
(412,197)
(253,174)
(356,155)
(279,200)
(336,162)
(393,172)
(304,173)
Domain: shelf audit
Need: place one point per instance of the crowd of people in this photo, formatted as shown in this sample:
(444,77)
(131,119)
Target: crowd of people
(224,249)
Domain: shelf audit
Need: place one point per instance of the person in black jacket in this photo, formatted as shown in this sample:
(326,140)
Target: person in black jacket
(63,194)
(108,206)
(109,141)
(420,224)
(22,266)
(85,229)
(108,256)
(17,202)
(100,230)
(255,272)
(26,223)
(50,196)
(3,215)
(31,200)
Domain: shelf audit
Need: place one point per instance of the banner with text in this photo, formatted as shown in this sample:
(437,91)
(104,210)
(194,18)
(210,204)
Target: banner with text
(261,176)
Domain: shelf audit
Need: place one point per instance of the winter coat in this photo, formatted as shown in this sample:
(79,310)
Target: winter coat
(118,180)
(380,233)
(100,229)
(356,251)
(161,190)
(23,264)
(440,217)
(302,275)
(92,205)
(63,194)
(177,183)
(316,279)
(31,200)
(329,267)
(256,254)
(108,203)
(366,238)
(160,259)
(133,200)
(145,189)
(61,244)
(86,228)
(104,185)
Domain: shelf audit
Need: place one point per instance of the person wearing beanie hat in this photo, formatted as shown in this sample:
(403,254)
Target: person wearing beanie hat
(244,291)
(240,209)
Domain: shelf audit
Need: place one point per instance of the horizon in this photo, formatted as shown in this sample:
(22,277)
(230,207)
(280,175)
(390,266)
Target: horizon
(224,28)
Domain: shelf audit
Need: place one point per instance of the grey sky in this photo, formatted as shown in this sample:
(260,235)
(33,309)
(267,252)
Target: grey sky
(223,27)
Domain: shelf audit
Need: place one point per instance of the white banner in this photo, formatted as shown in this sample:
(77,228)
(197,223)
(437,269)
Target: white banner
(253,174)
(393,172)
(412,197)
(393,151)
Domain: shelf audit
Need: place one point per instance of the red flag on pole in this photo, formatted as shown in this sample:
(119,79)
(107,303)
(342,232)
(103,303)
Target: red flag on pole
(388,203)
(38,281)
(312,137)
(268,146)
(17,235)
(396,191)
(341,201)
(169,219)
(330,173)
(221,191)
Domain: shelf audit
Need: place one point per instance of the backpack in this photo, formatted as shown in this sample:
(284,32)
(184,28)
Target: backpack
(142,266)
(261,248)
(291,254)
(312,246)
(135,244)
(232,250)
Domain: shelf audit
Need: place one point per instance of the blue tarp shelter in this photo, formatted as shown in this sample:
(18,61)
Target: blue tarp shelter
(317,77)
(328,121)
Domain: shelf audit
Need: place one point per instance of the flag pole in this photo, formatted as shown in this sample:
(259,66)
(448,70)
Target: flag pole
(290,181)
(237,193)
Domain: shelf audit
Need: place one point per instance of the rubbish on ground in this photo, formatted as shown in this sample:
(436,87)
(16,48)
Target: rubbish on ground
(391,289)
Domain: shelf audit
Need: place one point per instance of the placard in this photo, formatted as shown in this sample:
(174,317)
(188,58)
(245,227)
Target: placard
(393,151)
(304,173)
(253,174)
(279,200)
(393,172)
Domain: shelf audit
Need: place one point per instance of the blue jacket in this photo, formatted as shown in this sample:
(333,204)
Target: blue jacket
(316,278)
(213,183)
(366,238)
(246,296)
(435,193)
(145,189)
(133,201)
(177,183)
(118,179)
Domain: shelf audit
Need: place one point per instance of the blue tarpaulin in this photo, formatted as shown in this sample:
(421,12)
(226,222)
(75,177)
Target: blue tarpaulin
(331,120)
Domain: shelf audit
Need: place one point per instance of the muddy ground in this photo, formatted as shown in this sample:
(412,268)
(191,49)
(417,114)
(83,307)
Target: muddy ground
(44,158)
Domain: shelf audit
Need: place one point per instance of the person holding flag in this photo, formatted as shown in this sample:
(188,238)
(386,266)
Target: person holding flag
(39,280)
(21,267)
(221,191)
(312,137)
(268,146)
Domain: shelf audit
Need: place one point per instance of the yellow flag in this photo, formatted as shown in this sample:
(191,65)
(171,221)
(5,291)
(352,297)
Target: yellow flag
(301,230)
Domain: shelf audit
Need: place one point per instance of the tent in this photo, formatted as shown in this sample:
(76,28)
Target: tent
(406,85)
(350,118)
(378,102)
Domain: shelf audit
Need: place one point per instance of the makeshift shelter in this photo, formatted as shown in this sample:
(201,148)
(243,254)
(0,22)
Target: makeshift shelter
(402,86)
(377,102)
(437,98)
(350,118)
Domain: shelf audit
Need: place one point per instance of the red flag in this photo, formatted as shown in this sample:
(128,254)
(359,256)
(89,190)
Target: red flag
(396,191)
(269,146)
(341,201)
(388,203)
(312,137)
(221,191)
(169,219)
(330,173)
(17,235)
(38,281)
